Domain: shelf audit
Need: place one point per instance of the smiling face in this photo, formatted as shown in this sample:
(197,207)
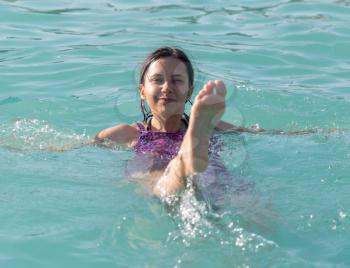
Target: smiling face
(166,87)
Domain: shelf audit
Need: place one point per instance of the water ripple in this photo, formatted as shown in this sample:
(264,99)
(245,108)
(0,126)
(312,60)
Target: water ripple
(66,65)
(54,11)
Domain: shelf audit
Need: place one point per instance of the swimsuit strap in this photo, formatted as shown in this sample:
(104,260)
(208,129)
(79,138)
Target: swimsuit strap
(149,123)
(186,119)
(140,126)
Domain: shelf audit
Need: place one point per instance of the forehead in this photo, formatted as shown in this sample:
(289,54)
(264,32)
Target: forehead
(167,66)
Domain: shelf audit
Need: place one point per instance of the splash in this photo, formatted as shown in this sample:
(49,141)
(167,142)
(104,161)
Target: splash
(190,214)
(38,135)
(196,220)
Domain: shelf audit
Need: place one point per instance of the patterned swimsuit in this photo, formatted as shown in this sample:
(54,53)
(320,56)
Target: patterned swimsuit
(159,144)
(155,149)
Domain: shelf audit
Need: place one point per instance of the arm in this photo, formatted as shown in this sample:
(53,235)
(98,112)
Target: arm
(121,134)
(223,126)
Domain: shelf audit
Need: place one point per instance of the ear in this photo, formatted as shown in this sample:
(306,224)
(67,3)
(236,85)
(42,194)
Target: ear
(142,91)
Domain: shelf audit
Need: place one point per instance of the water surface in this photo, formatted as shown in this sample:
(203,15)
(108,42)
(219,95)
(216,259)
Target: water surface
(70,68)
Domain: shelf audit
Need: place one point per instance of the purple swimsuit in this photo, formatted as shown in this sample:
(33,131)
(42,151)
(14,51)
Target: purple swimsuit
(159,144)
(155,149)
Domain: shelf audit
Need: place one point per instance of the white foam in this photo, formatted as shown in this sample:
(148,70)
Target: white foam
(34,134)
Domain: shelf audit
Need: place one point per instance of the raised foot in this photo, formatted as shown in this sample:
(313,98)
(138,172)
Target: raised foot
(208,107)
(207,110)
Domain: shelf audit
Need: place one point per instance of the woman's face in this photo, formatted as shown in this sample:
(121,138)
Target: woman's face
(166,87)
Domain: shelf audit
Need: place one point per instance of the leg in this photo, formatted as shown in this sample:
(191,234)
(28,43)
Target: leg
(208,108)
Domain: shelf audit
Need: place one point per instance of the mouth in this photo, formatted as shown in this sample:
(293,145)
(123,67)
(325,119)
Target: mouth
(166,99)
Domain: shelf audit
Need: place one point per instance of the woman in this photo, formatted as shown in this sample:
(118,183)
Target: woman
(166,84)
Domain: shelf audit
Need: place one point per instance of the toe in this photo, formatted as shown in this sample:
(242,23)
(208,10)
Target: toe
(210,87)
(220,87)
(201,93)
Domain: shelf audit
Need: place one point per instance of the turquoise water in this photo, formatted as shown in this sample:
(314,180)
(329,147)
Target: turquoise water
(69,69)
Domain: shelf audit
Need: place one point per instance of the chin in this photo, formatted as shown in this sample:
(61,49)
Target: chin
(170,109)
(168,112)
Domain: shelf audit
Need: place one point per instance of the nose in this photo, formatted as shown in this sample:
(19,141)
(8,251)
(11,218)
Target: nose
(168,86)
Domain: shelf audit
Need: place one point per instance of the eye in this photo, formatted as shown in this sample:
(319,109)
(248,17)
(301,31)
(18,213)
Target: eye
(157,80)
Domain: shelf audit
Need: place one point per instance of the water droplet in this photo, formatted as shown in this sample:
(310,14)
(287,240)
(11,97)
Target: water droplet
(342,215)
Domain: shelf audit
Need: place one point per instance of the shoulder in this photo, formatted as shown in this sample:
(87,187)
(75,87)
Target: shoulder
(123,134)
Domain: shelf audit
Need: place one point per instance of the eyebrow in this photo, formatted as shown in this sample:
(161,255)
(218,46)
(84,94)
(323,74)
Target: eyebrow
(159,74)
(156,74)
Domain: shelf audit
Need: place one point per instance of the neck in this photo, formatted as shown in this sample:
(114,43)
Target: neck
(172,124)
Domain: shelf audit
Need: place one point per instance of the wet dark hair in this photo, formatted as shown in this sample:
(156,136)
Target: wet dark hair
(165,52)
